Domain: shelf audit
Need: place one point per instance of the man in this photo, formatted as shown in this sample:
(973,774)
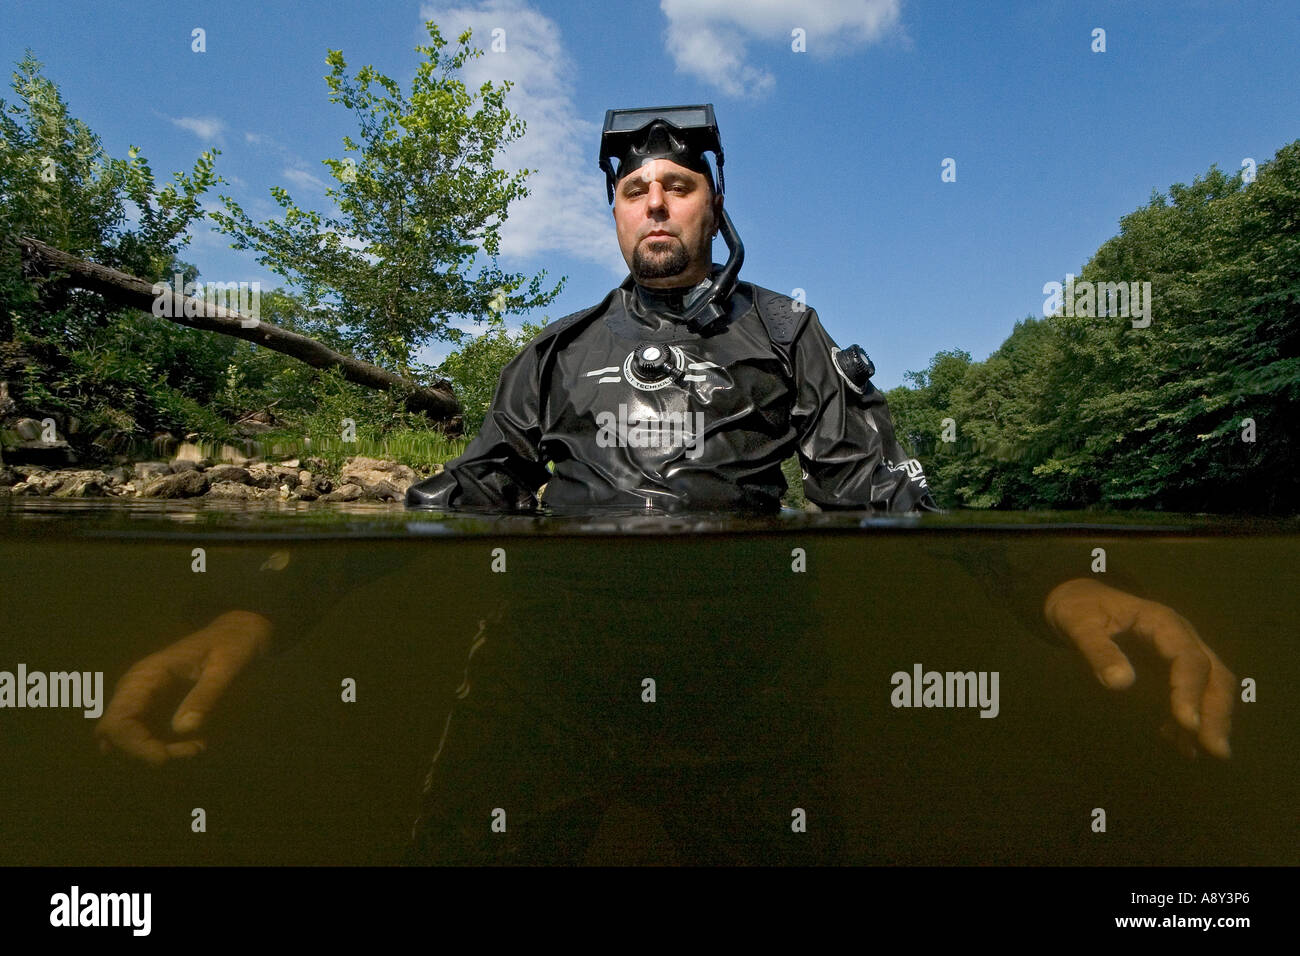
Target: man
(757,384)
(683,389)
(639,405)
(648,401)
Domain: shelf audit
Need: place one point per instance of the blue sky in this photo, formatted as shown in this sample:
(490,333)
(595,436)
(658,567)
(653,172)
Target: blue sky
(833,155)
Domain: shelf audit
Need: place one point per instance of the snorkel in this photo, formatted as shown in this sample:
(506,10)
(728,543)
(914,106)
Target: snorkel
(681,134)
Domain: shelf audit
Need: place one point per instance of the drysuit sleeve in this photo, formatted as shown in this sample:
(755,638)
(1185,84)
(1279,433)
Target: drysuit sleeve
(847,447)
(295,585)
(1016,573)
(502,468)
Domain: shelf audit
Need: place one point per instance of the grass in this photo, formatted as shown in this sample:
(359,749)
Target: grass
(793,471)
(420,449)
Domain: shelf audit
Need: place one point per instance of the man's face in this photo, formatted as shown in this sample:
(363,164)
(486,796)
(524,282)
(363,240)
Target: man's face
(666,221)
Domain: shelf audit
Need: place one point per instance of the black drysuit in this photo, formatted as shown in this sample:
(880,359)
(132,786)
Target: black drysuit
(544,723)
(759,385)
(549,725)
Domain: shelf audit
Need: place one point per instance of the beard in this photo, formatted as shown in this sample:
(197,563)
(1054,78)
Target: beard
(660,263)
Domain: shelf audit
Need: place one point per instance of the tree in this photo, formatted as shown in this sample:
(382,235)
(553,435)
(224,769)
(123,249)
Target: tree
(59,186)
(194,311)
(475,369)
(417,206)
(1077,411)
(918,412)
(69,353)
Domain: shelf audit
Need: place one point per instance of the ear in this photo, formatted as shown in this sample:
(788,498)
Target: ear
(717,214)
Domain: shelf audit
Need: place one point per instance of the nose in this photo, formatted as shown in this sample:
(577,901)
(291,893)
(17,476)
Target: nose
(655,197)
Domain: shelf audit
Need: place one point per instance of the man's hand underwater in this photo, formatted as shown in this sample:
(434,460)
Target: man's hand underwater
(208,659)
(1091,615)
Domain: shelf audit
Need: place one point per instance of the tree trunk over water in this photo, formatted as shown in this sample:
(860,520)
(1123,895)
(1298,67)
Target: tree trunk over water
(438,402)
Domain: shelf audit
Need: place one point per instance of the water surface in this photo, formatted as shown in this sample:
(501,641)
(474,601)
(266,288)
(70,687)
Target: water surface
(772,687)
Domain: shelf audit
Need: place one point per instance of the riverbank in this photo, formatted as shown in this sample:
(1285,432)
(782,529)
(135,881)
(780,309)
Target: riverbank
(42,457)
(39,461)
(188,475)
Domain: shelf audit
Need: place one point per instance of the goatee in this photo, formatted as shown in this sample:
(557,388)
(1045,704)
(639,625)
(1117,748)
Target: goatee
(660,265)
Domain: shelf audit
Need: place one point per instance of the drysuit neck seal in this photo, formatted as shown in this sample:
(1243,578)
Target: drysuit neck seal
(672,302)
(699,310)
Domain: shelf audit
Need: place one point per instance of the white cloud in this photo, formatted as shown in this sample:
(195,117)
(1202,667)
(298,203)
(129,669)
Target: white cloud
(565,212)
(304,180)
(709,38)
(207,128)
(264,141)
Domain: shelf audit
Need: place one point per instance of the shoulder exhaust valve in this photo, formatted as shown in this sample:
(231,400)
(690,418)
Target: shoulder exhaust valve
(854,366)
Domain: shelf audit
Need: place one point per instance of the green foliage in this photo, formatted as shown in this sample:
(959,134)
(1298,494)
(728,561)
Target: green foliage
(58,185)
(1077,412)
(475,369)
(424,202)
(120,374)
(419,448)
(419,201)
(794,496)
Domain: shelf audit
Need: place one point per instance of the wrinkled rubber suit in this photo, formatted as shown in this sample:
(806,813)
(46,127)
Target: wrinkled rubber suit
(707,431)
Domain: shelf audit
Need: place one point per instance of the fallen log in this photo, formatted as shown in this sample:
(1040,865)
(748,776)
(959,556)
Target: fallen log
(436,401)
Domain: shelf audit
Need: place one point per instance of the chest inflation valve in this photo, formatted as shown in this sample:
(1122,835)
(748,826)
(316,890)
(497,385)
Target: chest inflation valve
(652,366)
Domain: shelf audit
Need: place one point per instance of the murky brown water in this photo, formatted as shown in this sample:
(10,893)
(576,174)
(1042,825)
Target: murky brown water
(772,688)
